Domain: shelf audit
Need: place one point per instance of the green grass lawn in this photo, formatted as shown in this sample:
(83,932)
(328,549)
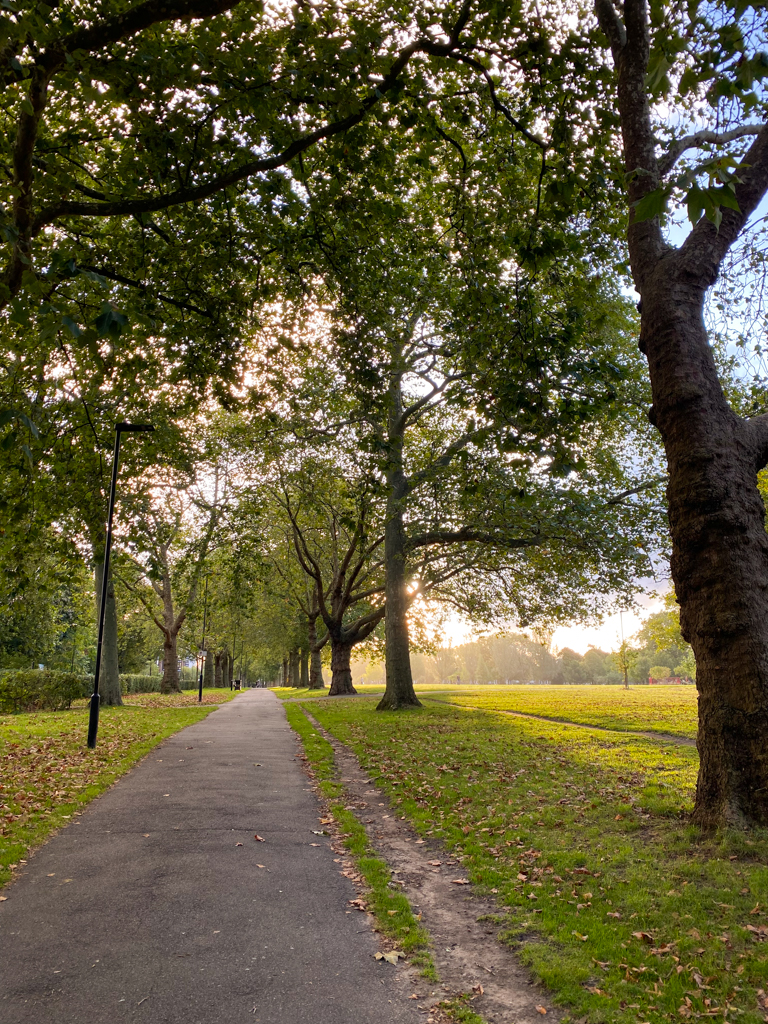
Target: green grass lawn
(666,709)
(47,774)
(615,901)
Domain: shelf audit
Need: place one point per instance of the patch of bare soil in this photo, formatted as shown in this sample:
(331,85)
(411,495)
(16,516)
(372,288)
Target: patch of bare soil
(465,946)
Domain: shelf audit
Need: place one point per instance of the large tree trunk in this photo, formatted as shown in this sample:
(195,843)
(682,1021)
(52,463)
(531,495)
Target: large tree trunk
(398,692)
(315,661)
(284,681)
(109,683)
(305,669)
(170,682)
(341,674)
(293,670)
(231,669)
(716,517)
(719,553)
(208,670)
(316,681)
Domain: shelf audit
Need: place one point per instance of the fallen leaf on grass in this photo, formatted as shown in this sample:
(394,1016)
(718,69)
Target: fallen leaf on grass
(581,938)
(643,936)
(460,881)
(259,839)
(614,913)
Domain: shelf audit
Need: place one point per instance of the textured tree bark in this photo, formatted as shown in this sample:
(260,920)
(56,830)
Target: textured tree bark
(109,683)
(208,670)
(398,692)
(315,661)
(293,669)
(341,673)
(304,669)
(719,552)
(316,681)
(170,682)
(284,681)
(716,516)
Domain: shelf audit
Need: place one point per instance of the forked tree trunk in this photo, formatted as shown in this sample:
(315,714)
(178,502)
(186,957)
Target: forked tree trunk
(305,669)
(341,677)
(716,517)
(719,554)
(109,683)
(293,669)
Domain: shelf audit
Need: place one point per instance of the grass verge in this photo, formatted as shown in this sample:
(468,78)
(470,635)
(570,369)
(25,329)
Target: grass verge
(47,774)
(394,916)
(613,900)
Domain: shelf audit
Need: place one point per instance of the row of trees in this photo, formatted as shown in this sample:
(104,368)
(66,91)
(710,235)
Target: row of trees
(393,244)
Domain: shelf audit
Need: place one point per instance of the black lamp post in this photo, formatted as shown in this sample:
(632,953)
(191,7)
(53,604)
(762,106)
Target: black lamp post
(93,721)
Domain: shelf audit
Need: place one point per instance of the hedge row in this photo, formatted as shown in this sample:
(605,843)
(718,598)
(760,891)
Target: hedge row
(41,689)
(49,690)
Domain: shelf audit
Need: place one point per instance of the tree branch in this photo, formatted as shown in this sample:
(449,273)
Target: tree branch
(698,139)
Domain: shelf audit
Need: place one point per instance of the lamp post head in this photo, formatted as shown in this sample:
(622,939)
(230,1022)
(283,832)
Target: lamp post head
(126,428)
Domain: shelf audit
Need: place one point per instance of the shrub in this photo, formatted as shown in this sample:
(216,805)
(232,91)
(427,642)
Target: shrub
(41,689)
(659,672)
(139,684)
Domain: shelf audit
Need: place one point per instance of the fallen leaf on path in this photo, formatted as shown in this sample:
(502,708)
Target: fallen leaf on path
(238,844)
(478,988)
(315,844)
(315,832)
(3,899)
(391,957)
(434,863)
(259,839)
(540,1009)
(259,865)
(460,881)
(418,841)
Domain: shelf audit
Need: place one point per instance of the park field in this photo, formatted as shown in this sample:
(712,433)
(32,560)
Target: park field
(47,774)
(615,902)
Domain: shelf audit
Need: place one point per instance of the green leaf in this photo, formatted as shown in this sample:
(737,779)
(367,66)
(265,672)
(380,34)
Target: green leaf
(74,329)
(110,323)
(651,205)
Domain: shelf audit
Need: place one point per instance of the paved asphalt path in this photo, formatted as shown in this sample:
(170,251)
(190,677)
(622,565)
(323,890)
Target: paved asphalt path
(145,908)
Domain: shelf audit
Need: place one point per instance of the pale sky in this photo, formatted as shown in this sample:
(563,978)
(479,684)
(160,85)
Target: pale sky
(578,637)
